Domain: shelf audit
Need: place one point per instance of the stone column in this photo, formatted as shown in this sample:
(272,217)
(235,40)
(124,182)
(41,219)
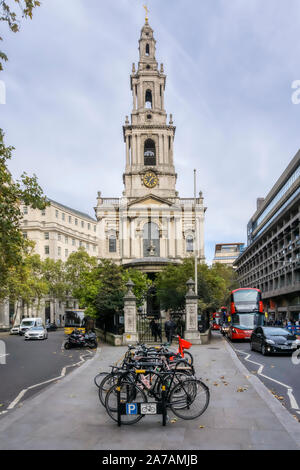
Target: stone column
(130,335)
(127,152)
(191,333)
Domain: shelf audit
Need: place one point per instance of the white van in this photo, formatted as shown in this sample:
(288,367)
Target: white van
(28,323)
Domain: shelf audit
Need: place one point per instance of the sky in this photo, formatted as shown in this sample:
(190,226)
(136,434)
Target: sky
(230,67)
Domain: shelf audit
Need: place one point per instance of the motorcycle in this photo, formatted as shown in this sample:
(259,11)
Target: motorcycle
(79,340)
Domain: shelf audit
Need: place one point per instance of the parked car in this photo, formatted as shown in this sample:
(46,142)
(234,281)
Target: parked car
(15,330)
(28,323)
(268,340)
(36,332)
(51,327)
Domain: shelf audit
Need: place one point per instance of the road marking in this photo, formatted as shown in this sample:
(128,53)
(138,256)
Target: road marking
(62,374)
(293,402)
(4,355)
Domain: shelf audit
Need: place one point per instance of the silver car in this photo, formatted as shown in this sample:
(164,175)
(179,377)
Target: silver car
(36,332)
(15,330)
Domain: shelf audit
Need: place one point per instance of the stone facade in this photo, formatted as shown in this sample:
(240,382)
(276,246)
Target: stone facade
(59,231)
(150,225)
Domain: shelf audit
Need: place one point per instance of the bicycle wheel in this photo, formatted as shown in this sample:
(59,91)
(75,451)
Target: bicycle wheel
(129,393)
(189,399)
(189,358)
(99,377)
(105,385)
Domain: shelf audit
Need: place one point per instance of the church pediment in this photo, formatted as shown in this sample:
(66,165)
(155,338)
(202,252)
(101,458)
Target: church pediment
(150,200)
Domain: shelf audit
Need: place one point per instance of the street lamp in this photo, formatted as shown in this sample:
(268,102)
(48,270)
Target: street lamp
(195,237)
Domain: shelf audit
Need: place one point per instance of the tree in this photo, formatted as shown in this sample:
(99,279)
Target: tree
(78,266)
(11,17)
(171,285)
(13,245)
(141,284)
(110,298)
(53,273)
(214,285)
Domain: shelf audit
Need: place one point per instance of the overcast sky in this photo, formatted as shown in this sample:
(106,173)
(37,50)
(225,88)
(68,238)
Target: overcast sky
(230,65)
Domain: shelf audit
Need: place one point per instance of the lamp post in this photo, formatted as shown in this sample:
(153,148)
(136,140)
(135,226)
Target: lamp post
(195,237)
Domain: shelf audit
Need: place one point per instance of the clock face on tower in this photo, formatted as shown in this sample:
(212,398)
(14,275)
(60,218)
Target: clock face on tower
(150,179)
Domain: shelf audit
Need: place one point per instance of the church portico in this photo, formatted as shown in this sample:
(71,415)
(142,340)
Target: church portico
(150,226)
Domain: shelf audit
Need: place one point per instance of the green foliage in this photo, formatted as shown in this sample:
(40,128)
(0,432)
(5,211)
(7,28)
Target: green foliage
(110,297)
(78,266)
(141,284)
(171,285)
(13,245)
(214,285)
(11,17)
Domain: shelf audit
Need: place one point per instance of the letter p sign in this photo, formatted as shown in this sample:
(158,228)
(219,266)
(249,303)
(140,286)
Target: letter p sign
(131,408)
(2,353)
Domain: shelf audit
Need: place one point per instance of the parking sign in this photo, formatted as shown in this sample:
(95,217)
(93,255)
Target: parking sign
(131,408)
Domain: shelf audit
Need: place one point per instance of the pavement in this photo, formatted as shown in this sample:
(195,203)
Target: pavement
(242,414)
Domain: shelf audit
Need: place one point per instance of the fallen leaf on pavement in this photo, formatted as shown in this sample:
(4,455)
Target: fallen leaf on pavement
(216,384)
(222,377)
(173,420)
(201,427)
(242,389)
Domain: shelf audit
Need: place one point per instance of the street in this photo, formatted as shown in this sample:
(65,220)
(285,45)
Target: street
(31,363)
(242,414)
(277,372)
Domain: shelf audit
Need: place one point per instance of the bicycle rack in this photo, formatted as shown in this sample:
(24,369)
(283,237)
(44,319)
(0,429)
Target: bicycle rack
(161,408)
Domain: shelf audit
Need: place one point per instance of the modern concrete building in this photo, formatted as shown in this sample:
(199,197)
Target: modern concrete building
(271,262)
(227,253)
(150,225)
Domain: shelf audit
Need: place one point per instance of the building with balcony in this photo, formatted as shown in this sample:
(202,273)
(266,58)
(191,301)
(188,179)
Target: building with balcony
(271,261)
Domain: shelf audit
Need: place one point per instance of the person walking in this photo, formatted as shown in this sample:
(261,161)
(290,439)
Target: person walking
(170,327)
(153,329)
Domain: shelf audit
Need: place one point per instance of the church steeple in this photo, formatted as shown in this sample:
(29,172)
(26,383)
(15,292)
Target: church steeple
(148,137)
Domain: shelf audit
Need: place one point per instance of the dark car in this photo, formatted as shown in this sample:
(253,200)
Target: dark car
(268,340)
(51,327)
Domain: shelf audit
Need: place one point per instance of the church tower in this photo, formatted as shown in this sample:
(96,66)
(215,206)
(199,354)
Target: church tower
(150,226)
(148,137)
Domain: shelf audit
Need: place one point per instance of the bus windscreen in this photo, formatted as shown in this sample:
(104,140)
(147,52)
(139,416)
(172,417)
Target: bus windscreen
(246,295)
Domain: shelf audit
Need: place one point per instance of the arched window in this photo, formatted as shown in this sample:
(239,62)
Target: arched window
(148,99)
(147,50)
(149,152)
(151,240)
(189,244)
(112,244)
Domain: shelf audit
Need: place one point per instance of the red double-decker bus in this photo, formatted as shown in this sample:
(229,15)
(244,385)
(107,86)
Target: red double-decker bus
(246,312)
(216,321)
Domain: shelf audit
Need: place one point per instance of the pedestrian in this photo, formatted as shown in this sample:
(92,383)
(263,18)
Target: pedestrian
(170,327)
(155,330)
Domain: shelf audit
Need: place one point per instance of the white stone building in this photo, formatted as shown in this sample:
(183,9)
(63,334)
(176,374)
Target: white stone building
(147,227)
(59,231)
(150,225)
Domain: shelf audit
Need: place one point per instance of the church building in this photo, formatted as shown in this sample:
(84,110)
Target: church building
(149,226)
